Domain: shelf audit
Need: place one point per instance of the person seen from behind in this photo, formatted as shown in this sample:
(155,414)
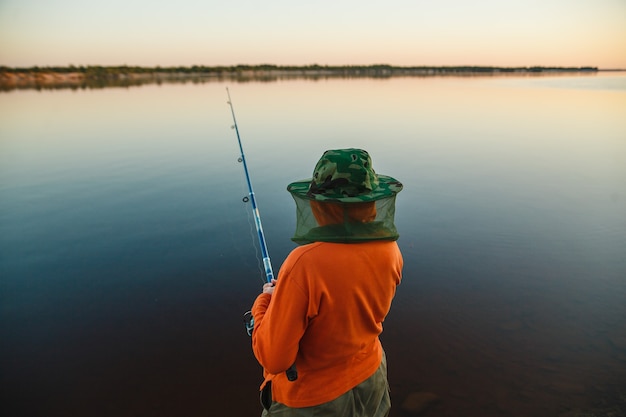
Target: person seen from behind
(316,328)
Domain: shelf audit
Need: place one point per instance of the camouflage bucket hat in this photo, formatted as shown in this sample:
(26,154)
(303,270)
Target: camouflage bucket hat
(346,176)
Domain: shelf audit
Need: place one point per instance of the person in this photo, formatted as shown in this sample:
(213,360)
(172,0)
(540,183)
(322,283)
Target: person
(323,315)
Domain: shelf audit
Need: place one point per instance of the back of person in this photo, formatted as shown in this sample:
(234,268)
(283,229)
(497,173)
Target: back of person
(324,313)
(351,287)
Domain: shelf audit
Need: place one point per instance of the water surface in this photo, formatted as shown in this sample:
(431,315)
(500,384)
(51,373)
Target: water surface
(127,256)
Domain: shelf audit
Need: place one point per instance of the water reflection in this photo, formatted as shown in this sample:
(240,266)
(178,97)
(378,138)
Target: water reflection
(74,82)
(127,256)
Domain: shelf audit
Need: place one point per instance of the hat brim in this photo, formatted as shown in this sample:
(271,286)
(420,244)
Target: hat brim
(387,187)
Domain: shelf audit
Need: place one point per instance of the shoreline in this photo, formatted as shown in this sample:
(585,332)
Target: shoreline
(125,76)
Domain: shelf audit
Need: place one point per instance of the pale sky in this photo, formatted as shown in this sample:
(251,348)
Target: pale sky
(324,32)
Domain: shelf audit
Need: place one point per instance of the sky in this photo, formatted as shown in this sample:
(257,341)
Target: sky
(505,33)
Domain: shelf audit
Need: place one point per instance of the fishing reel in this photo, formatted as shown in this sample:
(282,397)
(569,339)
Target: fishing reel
(248,322)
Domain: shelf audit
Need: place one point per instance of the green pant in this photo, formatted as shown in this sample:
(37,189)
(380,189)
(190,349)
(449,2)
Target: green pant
(368,399)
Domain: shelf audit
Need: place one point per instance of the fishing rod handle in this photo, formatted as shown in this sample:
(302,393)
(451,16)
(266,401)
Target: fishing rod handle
(269,274)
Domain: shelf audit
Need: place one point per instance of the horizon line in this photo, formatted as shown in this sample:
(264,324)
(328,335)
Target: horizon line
(308,66)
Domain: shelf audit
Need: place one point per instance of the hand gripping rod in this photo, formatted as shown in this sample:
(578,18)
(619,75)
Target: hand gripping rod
(292,373)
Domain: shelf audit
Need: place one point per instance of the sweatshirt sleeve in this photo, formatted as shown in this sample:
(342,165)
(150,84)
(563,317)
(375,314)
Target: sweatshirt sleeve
(260,307)
(279,323)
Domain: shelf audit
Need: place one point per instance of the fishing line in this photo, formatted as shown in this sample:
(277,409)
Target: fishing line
(235,236)
(254,242)
(253,239)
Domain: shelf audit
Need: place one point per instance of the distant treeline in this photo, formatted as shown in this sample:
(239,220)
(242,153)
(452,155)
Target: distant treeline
(82,77)
(381,69)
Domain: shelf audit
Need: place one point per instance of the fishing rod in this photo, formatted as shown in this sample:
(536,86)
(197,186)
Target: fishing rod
(269,274)
(292,373)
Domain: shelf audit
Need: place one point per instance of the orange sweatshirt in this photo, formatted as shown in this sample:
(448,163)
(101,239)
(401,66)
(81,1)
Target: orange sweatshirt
(325,315)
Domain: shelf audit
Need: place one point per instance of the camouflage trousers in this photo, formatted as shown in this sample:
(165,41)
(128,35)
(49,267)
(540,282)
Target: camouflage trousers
(368,399)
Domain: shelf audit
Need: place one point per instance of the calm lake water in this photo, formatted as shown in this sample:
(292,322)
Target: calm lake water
(127,256)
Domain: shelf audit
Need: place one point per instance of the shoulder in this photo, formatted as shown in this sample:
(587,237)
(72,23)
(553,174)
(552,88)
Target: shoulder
(303,252)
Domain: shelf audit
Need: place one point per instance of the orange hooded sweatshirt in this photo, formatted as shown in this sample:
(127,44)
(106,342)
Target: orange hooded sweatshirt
(325,315)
